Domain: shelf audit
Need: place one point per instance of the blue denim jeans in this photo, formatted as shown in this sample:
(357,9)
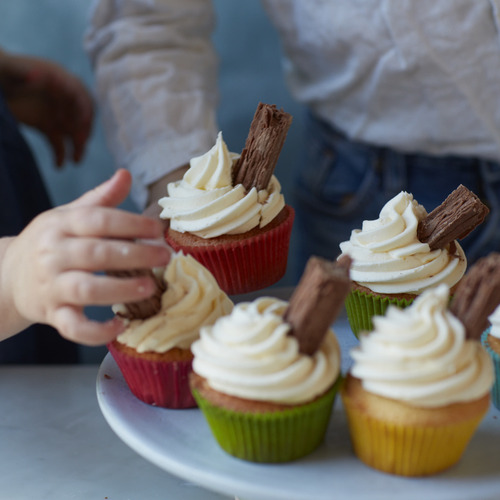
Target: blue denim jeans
(343,182)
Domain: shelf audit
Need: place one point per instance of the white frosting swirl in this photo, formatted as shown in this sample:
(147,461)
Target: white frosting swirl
(206,204)
(389,258)
(192,299)
(419,355)
(494,319)
(250,354)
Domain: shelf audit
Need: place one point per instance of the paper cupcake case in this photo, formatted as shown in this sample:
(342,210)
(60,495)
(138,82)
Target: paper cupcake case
(273,437)
(246,265)
(361,307)
(158,383)
(407,450)
(495,391)
(408,442)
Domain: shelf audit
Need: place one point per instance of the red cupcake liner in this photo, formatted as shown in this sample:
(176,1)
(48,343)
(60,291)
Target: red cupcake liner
(157,383)
(247,265)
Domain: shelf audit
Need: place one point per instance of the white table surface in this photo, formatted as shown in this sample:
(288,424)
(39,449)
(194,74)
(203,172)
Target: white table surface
(56,444)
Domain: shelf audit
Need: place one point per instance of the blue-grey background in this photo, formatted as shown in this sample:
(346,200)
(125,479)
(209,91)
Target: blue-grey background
(250,71)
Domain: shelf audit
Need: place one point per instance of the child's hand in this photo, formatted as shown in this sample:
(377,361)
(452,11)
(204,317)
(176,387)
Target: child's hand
(49,269)
(44,95)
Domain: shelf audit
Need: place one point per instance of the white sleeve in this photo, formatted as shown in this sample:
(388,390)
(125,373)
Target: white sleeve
(156,83)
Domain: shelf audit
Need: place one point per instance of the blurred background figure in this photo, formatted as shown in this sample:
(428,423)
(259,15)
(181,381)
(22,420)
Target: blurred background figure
(44,96)
(401,96)
(59,38)
(394,96)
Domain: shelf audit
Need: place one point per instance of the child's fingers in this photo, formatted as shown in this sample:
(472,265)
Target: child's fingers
(104,222)
(73,325)
(97,254)
(110,193)
(82,289)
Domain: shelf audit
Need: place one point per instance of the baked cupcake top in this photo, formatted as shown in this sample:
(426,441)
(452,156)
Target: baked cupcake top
(420,355)
(191,300)
(494,319)
(250,354)
(389,258)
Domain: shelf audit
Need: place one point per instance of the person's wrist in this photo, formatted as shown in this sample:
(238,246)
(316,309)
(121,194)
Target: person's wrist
(13,319)
(6,266)
(158,189)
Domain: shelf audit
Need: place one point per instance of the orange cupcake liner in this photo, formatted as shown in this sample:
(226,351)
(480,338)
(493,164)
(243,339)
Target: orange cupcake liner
(157,383)
(249,264)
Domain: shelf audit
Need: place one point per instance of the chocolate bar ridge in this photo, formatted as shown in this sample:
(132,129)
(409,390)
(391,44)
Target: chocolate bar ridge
(265,140)
(477,295)
(459,214)
(144,308)
(317,301)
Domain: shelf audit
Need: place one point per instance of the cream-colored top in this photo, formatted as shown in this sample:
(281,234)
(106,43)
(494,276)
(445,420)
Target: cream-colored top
(389,258)
(420,355)
(206,204)
(192,299)
(250,354)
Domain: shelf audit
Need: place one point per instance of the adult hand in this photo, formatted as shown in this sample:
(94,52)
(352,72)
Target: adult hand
(158,190)
(43,95)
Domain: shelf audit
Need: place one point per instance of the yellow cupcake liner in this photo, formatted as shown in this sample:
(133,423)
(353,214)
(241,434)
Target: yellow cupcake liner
(407,450)
(271,437)
(361,307)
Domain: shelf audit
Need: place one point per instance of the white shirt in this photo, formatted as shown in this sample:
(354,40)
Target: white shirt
(414,75)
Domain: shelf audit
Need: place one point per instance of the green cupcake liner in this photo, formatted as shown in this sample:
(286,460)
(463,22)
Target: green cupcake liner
(271,437)
(362,306)
(495,390)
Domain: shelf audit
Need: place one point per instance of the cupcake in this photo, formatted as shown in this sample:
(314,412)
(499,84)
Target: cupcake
(491,342)
(265,388)
(418,388)
(153,353)
(407,251)
(228,211)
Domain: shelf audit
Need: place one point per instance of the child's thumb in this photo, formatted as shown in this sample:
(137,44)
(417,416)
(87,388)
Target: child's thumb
(108,194)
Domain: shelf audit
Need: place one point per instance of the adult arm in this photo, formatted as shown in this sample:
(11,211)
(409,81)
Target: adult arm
(155,70)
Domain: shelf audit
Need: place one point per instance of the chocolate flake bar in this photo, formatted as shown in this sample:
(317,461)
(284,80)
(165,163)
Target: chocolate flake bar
(477,295)
(317,300)
(147,307)
(263,146)
(455,218)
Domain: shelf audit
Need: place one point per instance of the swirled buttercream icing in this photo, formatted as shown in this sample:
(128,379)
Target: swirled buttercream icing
(419,355)
(250,354)
(494,319)
(205,202)
(389,258)
(192,299)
